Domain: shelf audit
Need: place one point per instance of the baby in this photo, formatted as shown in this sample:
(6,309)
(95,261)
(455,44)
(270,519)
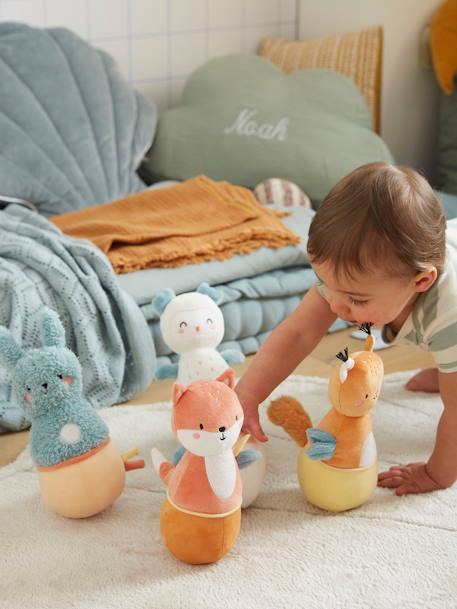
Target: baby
(378,247)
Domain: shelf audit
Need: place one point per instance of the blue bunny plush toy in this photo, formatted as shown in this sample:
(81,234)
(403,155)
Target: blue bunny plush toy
(48,382)
(80,473)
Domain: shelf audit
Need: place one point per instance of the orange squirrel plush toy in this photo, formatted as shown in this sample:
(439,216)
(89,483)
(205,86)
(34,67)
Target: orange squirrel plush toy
(343,442)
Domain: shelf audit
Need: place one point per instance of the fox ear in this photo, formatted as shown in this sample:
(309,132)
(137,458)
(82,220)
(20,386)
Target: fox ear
(227,377)
(178,391)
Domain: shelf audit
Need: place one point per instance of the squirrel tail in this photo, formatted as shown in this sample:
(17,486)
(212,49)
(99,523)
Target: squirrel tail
(288,413)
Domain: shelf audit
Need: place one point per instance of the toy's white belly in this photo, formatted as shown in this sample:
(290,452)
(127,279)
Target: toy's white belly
(200,365)
(221,472)
(369,453)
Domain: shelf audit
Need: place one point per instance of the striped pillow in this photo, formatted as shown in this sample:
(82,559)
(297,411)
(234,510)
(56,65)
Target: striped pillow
(356,55)
(280,194)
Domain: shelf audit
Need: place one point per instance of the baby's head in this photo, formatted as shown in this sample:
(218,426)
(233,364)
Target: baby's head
(376,242)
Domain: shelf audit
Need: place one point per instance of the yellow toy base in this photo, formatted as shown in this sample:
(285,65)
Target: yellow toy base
(85,488)
(197,540)
(334,489)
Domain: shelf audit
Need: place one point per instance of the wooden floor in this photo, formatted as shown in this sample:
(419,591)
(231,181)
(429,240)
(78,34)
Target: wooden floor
(319,363)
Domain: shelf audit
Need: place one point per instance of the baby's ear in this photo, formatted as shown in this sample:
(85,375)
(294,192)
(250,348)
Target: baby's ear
(52,331)
(10,352)
(178,391)
(227,377)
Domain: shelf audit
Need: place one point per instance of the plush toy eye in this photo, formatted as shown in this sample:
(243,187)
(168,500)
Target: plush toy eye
(366,396)
(209,321)
(201,425)
(183,324)
(60,376)
(28,389)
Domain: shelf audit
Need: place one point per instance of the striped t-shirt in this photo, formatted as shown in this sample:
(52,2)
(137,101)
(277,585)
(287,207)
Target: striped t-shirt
(432,324)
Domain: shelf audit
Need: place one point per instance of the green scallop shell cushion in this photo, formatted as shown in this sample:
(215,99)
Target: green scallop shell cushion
(243,120)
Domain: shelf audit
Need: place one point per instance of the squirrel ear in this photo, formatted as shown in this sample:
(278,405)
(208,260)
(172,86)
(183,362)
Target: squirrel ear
(227,377)
(52,330)
(178,391)
(10,352)
(205,288)
(162,299)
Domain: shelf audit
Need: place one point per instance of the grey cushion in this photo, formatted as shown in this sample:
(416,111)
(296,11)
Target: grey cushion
(241,119)
(73,132)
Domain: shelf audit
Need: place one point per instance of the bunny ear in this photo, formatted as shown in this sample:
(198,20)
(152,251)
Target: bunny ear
(205,288)
(52,331)
(162,299)
(10,352)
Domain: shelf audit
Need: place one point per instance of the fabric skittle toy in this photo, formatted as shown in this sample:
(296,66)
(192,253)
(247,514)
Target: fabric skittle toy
(192,325)
(201,515)
(337,466)
(79,471)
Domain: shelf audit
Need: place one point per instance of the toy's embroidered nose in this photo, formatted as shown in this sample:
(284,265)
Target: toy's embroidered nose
(44,385)
(221,429)
(197,328)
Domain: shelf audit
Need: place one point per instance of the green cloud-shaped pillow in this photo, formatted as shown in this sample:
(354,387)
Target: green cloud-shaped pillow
(241,119)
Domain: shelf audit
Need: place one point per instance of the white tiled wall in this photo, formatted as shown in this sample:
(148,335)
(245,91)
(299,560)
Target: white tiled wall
(158,43)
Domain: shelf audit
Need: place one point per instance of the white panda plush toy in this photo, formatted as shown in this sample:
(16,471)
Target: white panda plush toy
(192,325)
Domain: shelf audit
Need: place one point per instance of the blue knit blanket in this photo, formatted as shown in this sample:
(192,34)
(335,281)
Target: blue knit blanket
(39,266)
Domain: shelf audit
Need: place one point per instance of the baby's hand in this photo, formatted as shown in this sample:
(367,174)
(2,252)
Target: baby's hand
(406,479)
(252,423)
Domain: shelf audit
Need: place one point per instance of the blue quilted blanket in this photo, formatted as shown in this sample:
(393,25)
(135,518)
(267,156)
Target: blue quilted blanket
(40,266)
(252,307)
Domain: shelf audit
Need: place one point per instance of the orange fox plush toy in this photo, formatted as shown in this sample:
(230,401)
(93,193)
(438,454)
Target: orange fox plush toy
(337,466)
(201,515)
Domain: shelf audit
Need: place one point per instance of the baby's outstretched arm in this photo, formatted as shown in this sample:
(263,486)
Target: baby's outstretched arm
(285,348)
(441,469)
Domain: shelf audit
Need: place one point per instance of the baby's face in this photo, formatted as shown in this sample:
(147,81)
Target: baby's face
(366,297)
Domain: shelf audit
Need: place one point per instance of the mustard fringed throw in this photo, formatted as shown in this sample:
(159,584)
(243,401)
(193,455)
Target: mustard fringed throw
(195,221)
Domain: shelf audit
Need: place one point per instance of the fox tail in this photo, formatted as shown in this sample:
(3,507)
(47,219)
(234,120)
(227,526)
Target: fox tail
(162,467)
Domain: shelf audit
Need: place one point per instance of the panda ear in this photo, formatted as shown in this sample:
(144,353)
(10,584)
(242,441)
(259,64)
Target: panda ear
(205,288)
(162,299)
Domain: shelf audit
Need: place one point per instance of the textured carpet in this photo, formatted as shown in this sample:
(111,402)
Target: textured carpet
(390,553)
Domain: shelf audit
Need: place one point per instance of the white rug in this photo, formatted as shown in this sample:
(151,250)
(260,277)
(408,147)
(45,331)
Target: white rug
(391,553)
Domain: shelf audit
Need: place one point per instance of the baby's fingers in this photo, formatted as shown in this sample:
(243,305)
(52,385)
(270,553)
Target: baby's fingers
(391,481)
(406,489)
(253,427)
(395,470)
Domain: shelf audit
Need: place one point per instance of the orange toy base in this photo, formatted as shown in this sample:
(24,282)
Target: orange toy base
(197,540)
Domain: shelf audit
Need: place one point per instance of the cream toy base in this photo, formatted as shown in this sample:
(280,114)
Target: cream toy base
(78,488)
(253,475)
(335,489)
